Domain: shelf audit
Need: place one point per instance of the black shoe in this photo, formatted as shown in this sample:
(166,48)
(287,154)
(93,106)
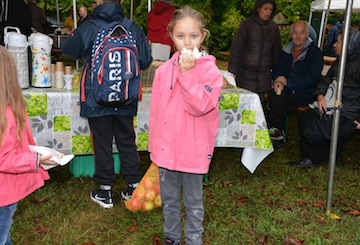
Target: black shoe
(168,241)
(127,194)
(305,163)
(102,197)
(276,134)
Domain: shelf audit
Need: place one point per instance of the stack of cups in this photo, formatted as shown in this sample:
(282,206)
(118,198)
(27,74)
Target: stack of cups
(68,78)
(59,72)
(53,74)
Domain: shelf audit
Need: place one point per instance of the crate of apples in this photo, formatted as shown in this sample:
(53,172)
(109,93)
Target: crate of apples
(147,195)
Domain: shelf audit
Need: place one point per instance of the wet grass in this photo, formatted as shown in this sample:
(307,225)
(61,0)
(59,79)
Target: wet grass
(275,205)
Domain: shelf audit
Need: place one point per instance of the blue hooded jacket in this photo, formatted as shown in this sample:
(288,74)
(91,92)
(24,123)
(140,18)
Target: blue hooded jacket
(79,45)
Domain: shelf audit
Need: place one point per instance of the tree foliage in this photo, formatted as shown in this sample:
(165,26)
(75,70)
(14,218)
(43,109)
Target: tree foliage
(223,17)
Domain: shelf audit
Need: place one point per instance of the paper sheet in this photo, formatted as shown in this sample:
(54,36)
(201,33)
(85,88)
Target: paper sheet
(56,156)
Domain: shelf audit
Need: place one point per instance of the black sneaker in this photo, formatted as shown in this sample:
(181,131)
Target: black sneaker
(102,197)
(127,194)
(305,163)
(276,134)
(168,241)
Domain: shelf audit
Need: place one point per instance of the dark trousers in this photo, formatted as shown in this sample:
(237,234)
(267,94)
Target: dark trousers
(104,129)
(280,105)
(315,135)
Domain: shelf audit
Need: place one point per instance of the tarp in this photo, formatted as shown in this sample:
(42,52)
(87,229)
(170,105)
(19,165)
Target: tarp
(335,5)
(322,6)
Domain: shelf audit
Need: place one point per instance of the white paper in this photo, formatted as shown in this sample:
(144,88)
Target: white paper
(228,76)
(251,158)
(56,156)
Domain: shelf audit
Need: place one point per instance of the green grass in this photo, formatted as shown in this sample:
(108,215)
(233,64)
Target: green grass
(275,202)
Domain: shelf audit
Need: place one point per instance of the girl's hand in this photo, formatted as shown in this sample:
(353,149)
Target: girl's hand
(322,103)
(46,160)
(187,62)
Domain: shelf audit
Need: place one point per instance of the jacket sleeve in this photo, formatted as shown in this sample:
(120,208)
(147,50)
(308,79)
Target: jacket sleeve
(236,50)
(155,97)
(276,49)
(201,88)
(79,44)
(11,160)
(143,46)
(314,67)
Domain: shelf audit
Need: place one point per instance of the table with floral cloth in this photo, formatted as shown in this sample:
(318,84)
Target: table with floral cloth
(55,122)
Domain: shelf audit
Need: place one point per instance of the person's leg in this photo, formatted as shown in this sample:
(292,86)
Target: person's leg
(102,135)
(123,127)
(194,207)
(280,105)
(6,220)
(170,188)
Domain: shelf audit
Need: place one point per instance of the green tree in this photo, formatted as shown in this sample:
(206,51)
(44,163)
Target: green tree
(223,17)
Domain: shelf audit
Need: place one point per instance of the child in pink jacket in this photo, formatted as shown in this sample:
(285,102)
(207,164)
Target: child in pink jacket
(20,171)
(184,120)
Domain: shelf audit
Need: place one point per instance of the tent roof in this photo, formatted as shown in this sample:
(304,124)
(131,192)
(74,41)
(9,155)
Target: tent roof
(335,5)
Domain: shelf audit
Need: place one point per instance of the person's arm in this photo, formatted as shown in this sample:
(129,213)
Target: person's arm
(237,47)
(143,46)
(201,88)
(79,44)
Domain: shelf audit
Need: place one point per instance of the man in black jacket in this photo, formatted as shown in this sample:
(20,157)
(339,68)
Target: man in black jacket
(107,123)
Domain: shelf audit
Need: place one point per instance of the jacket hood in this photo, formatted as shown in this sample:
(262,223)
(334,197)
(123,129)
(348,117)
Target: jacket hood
(109,12)
(353,46)
(260,3)
(161,7)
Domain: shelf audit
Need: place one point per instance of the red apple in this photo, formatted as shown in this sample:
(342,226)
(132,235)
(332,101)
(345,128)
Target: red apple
(150,195)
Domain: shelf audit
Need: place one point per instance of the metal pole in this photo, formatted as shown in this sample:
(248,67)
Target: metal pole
(131,9)
(75,27)
(324,25)
(337,106)
(57,13)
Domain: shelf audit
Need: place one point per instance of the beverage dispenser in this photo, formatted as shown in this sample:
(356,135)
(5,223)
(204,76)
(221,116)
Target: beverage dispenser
(41,45)
(17,44)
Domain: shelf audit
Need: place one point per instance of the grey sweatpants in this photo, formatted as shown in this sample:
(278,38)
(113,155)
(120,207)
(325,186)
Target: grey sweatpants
(171,185)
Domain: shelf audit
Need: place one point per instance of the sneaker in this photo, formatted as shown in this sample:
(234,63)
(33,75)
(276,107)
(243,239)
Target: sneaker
(102,197)
(305,163)
(168,241)
(276,134)
(127,194)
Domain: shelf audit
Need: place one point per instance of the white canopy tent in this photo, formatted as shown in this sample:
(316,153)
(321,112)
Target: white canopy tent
(74,13)
(323,7)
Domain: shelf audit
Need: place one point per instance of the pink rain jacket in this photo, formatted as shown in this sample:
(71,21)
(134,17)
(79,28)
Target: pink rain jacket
(184,115)
(18,175)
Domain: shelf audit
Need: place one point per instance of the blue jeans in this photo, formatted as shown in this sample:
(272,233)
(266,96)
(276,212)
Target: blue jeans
(6,215)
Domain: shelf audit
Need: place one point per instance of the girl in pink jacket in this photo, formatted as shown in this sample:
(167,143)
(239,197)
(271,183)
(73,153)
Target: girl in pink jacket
(183,124)
(20,171)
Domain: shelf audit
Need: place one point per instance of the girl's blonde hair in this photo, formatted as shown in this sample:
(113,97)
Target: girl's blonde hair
(10,94)
(187,11)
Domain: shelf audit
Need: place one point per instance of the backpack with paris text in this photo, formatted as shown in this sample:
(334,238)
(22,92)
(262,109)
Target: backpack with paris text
(115,69)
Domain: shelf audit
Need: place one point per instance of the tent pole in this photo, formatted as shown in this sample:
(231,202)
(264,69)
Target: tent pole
(324,25)
(337,106)
(57,13)
(75,27)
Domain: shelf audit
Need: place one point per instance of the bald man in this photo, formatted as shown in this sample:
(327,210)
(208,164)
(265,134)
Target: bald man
(83,13)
